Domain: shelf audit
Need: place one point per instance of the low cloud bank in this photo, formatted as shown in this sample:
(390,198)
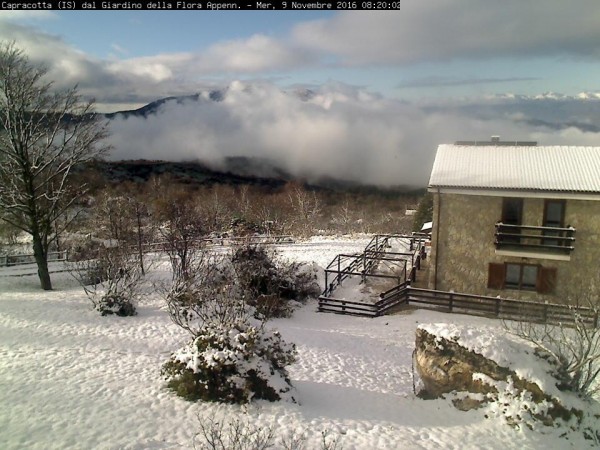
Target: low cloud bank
(335,131)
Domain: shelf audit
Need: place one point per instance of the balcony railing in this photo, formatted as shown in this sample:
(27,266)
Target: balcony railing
(532,238)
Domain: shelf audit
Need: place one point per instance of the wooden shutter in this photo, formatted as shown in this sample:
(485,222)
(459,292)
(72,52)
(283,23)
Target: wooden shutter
(496,275)
(546,282)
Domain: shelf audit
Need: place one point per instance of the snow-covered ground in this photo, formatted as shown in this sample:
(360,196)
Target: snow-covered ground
(71,379)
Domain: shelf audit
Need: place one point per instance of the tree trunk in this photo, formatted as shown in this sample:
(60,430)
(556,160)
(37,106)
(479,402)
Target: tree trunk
(41,258)
(140,239)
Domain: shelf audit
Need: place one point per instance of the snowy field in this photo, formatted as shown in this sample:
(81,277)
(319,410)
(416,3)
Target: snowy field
(71,379)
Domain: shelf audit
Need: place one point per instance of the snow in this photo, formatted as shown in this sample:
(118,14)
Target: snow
(71,379)
(503,348)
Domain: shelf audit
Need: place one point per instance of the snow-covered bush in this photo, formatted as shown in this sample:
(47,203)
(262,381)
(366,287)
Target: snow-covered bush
(112,303)
(232,357)
(111,281)
(268,283)
(232,362)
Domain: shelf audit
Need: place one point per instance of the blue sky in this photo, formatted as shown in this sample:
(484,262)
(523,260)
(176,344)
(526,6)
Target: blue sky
(387,87)
(439,48)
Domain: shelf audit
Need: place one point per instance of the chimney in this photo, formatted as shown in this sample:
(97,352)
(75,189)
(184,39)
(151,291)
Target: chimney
(495,139)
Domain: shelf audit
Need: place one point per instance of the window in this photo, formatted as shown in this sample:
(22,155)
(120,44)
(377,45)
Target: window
(554,216)
(554,213)
(512,211)
(512,214)
(521,276)
(526,277)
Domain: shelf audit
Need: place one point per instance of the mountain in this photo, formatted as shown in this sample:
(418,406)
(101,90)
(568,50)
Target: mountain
(184,172)
(153,107)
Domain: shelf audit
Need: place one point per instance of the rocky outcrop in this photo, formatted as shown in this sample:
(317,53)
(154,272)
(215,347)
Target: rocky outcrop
(473,381)
(445,366)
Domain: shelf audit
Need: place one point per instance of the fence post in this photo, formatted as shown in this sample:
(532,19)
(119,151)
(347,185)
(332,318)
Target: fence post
(326,280)
(450,302)
(596,320)
(411,245)
(497,307)
(545,312)
(339,271)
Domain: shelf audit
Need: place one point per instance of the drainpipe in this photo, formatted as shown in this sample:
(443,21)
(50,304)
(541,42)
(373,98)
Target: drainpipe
(437,240)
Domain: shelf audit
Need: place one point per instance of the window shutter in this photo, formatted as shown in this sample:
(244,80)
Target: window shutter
(546,282)
(496,275)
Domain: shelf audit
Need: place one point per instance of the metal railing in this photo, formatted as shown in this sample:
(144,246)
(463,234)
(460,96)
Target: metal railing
(534,238)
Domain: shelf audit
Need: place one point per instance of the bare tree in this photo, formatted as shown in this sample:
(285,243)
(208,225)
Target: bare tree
(306,206)
(573,347)
(182,228)
(44,135)
(123,216)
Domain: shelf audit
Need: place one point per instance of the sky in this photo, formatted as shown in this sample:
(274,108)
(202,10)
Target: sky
(408,79)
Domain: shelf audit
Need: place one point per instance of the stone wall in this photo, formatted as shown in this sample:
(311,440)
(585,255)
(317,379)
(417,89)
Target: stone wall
(464,247)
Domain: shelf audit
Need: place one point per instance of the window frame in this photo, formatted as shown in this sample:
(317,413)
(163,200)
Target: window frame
(520,286)
(546,280)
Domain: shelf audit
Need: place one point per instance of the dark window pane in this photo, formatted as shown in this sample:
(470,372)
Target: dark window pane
(512,211)
(512,214)
(513,275)
(530,274)
(554,213)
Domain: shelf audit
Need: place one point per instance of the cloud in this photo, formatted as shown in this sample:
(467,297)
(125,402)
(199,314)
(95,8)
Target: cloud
(258,53)
(435,81)
(20,16)
(119,49)
(339,131)
(127,83)
(442,30)
(140,80)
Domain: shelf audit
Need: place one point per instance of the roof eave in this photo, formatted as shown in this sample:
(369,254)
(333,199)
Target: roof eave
(515,192)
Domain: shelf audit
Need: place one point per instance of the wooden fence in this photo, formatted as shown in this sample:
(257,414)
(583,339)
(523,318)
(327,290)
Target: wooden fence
(453,302)
(18,260)
(223,241)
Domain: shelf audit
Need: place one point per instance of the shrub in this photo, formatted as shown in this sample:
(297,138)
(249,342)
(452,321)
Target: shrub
(111,281)
(237,434)
(268,283)
(233,363)
(112,303)
(573,348)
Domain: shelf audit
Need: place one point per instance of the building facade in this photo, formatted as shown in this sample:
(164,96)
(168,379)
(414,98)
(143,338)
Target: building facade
(516,220)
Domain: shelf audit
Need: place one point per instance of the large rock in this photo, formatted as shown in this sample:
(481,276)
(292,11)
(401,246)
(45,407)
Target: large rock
(445,366)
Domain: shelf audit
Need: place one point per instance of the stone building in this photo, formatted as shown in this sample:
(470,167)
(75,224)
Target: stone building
(516,220)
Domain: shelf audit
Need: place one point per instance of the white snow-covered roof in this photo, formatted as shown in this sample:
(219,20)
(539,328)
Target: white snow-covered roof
(427,226)
(538,168)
